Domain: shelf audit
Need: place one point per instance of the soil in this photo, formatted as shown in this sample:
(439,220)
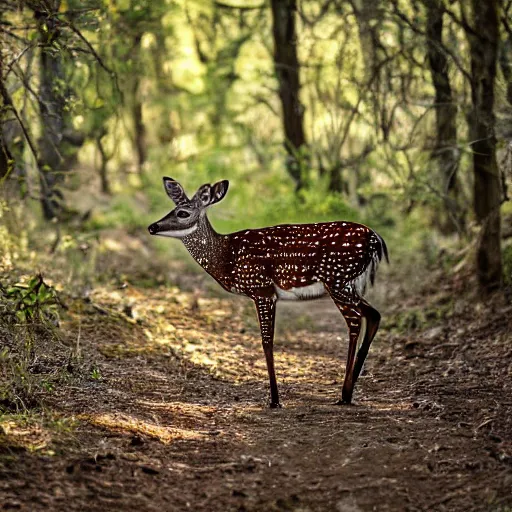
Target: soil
(174,415)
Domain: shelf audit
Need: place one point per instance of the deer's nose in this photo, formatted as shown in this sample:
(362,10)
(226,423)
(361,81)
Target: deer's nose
(153,229)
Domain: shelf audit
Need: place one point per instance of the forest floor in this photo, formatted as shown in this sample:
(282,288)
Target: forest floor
(173,414)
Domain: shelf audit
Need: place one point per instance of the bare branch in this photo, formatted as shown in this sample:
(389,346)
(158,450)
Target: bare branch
(95,54)
(312,21)
(223,5)
(9,104)
(462,22)
(350,162)
(16,59)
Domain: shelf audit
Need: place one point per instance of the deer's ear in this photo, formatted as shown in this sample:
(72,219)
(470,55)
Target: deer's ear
(208,194)
(203,195)
(218,191)
(175,191)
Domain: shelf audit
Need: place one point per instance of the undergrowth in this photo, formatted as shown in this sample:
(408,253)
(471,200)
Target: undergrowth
(419,318)
(34,359)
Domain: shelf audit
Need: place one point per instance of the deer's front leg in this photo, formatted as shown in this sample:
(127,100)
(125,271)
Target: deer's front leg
(266,307)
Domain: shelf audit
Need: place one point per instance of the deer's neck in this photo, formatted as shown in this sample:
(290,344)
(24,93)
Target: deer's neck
(208,248)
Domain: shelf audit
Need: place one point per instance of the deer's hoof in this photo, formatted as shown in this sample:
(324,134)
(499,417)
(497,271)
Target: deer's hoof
(275,405)
(343,401)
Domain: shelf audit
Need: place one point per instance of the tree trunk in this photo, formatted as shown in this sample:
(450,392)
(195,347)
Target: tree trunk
(138,121)
(5,155)
(140,135)
(166,131)
(336,182)
(483,42)
(369,19)
(5,159)
(506,66)
(11,143)
(286,66)
(445,152)
(105,183)
(52,102)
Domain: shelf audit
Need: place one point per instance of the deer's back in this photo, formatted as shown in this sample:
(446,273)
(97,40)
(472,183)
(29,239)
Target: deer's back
(296,256)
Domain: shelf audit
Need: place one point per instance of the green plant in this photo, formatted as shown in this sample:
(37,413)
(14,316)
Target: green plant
(33,301)
(34,360)
(95,373)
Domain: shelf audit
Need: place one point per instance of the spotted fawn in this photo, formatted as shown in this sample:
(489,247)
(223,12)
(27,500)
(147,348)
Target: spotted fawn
(286,262)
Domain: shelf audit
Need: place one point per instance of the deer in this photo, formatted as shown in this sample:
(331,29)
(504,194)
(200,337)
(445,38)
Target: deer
(284,262)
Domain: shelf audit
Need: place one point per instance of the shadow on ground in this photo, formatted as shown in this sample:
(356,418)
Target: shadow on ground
(178,421)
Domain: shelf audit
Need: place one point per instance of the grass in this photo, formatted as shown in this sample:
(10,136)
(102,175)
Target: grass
(34,359)
(419,318)
(33,431)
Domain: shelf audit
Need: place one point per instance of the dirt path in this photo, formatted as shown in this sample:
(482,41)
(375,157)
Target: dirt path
(176,419)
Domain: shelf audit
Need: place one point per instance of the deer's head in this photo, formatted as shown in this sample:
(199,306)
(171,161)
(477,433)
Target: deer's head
(185,218)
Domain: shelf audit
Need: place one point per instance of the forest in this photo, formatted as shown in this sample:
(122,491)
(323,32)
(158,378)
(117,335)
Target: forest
(129,379)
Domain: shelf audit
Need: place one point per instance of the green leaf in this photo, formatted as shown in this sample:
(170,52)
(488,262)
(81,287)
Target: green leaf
(21,315)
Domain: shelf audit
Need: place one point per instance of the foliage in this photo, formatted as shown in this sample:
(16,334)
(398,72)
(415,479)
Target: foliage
(33,359)
(190,89)
(420,318)
(31,302)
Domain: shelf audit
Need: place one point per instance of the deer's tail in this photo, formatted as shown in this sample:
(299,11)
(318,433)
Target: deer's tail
(378,250)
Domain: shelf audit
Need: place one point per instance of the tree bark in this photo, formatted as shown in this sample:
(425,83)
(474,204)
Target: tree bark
(138,121)
(445,152)
(12,137)
(5,155)
(369,19)
(506,66)
(286,64)
(5,159)
(166,130)
(140,132)
(52,102)
(336,182)
(105,183)
(483,42)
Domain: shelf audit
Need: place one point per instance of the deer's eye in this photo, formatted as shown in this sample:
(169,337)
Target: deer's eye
(182,214)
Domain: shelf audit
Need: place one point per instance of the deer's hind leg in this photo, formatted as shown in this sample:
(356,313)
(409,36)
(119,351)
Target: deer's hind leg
(350,308)
(372,317)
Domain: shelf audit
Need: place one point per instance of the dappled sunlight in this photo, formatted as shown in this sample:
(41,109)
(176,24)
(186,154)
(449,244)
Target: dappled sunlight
(130,425)
(113,245)
(25,433)
(220,335)
(387,406)
(180,408)
(180,395)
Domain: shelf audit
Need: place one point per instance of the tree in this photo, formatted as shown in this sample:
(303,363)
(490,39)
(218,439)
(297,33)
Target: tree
(5,155)
(52,101)
(5,159)
(369,23)
(287,68)
(219,37)
(483,38)
(506,51)
(445,152)
(38,83)
(139,127)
